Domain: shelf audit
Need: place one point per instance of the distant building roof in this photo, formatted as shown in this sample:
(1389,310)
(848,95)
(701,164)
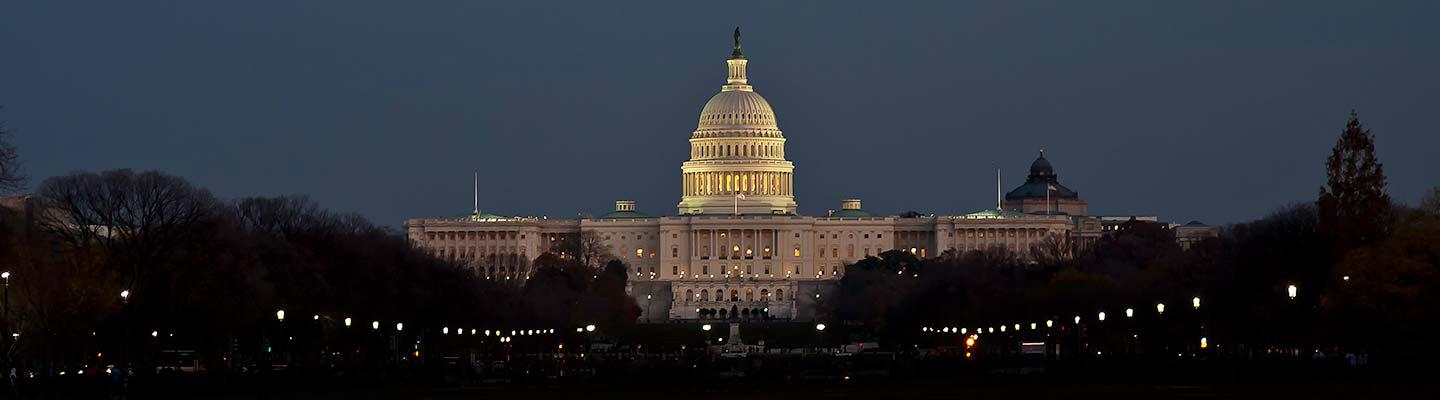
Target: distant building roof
(1042,176)
(625,214)
(852,214)
(987,214)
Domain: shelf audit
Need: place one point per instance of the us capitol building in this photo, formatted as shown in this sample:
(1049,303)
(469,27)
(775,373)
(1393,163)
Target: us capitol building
(735,247)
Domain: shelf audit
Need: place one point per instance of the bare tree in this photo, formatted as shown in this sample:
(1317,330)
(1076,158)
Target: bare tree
(588,248)
(1430,202)
(11,178)
(134,219)
(1052,250)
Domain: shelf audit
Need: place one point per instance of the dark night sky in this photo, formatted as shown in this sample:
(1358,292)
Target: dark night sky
(1217,111)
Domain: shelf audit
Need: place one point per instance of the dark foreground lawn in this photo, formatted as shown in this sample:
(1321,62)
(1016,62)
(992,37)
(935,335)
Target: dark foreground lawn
(877,390)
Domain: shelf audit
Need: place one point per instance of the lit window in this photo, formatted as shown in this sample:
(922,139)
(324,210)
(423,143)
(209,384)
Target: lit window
(639,252)
(797,251)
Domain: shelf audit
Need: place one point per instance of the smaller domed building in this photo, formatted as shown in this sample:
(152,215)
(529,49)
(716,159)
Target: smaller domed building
(1042,193)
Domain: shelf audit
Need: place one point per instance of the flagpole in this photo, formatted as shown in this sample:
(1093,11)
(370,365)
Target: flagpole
(998,207)
(737,203)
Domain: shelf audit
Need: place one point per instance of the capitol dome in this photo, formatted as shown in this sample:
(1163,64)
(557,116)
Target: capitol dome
(737,108)
(737,159)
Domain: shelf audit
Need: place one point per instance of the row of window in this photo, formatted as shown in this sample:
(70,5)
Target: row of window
(704,295)
(474,235)
(733,150)
(735,270)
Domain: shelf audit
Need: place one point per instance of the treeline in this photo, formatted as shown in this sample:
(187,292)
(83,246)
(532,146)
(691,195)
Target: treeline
(1365,272)
(208,275)
(1382,297)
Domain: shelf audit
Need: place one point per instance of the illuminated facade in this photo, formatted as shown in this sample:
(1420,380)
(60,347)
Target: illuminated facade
(736,247)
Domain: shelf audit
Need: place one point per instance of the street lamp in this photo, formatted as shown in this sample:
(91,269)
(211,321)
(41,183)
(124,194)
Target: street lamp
(124,296)
(399,326)
(590,328)
(347,322)
(1102,316)
(819,327)
(705,327)
(1077,319)
(1049,323)
(280,315)
(1129,313)
(1195,302)
(1160,308)
(375,325)
(1292,290)
(6,276)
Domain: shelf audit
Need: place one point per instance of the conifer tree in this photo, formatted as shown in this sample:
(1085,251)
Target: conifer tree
(1354,208)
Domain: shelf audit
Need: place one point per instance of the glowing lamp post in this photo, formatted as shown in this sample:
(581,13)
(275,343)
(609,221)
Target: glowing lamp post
(1195,302)
(1102,316)
(1129,313)
(1160,308)
(280,315)
(819,327)
(1292,290)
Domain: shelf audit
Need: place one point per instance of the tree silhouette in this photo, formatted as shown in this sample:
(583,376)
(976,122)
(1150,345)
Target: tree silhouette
(10,176)
(1354,208)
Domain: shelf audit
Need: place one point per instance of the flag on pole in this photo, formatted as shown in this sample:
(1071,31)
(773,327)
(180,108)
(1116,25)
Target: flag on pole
(740,195)
(1051,187)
